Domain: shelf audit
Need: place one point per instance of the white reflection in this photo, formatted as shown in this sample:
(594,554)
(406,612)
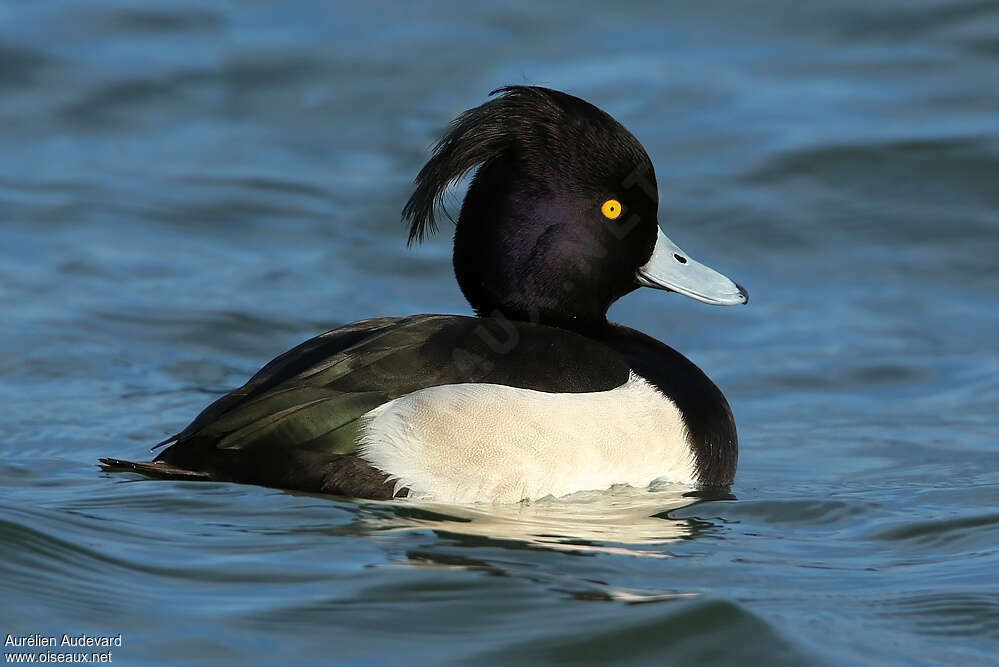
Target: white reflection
(621,520)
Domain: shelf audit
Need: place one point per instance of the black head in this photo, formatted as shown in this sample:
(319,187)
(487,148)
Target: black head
(560,215)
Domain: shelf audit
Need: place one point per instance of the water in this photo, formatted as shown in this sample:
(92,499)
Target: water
(187,191)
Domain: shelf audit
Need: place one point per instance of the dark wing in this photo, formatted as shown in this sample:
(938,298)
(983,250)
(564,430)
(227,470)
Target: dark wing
(283,368)
(303,409)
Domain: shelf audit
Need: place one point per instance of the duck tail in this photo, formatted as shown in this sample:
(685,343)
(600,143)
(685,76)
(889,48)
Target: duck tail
(158,469)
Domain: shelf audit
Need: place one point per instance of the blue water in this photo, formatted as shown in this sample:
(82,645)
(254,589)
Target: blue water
(187,190)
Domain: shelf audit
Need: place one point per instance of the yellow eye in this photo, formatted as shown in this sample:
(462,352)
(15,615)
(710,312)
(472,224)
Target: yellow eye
(611,209)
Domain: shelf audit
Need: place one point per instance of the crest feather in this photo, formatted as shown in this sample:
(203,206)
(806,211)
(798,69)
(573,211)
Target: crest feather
(476,137)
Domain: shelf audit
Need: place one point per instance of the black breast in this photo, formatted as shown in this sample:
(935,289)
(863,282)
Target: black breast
(705,411)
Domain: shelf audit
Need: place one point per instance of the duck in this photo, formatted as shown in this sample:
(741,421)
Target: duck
(538,394)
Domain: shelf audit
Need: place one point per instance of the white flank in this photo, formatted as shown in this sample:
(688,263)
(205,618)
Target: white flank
(465,443)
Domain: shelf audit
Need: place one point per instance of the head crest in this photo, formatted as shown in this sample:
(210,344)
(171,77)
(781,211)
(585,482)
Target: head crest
(521,117)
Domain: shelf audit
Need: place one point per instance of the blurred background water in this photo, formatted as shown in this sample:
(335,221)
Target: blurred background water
(188,189)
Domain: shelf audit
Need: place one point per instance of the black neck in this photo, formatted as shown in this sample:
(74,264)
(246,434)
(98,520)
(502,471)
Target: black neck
(589,326)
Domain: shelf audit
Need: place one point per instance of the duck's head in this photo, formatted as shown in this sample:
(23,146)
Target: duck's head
(560,219)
